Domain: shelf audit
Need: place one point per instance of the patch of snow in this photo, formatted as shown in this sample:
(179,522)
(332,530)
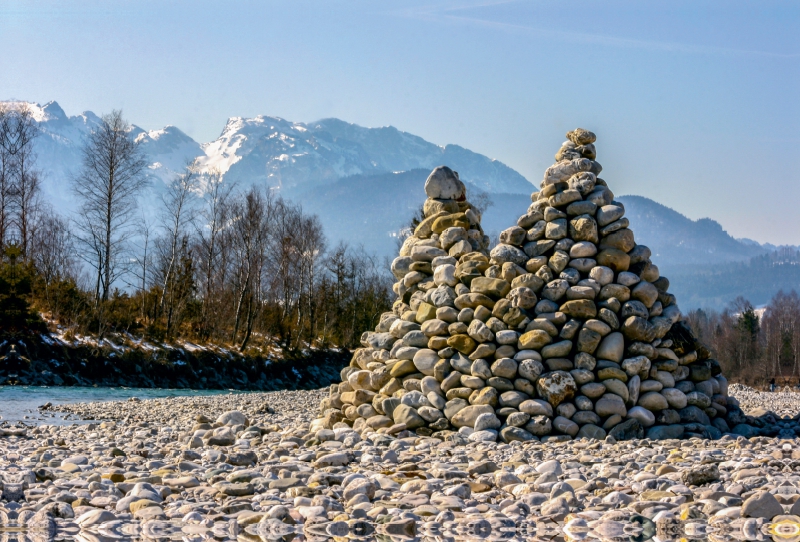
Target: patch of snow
(193,347)
(221,154)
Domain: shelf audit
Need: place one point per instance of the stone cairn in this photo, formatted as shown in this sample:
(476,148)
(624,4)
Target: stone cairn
(564,330)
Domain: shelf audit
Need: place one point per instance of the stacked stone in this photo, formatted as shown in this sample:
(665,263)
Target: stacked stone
(564,330)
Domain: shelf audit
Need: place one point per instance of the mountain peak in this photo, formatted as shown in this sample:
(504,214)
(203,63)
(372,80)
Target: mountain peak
(53,111)
(40,113)
(168,132)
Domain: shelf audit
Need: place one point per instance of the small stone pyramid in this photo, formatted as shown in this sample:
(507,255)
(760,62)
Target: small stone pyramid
(564,330)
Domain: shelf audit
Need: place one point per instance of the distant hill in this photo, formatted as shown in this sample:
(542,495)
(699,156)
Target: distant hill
(707,267)
(678,241)
(757,280)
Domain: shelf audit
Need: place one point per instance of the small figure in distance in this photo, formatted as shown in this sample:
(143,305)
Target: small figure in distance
(772,385)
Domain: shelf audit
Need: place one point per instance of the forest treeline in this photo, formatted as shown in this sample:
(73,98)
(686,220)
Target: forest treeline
(754,345)
(212,264)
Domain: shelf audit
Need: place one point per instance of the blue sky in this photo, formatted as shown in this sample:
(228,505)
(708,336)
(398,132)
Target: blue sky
(695,103)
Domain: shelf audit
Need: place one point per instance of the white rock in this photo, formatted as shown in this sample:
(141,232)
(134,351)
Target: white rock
(443,183)
(507,336)
(445,275)
(424,360)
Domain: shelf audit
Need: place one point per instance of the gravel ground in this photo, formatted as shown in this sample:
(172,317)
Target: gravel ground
(256,466)
(785,402)
(280,407)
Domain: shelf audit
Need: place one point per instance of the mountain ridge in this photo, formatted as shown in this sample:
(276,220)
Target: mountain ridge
(681,240)
(292,156)
(389,201)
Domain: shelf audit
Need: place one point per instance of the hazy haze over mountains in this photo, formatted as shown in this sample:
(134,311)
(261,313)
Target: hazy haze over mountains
(366,184)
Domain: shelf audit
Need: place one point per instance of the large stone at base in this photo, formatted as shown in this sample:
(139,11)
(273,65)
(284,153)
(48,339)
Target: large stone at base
(556,387)
(467,416)
(627,430)
(664,432)
(409,416)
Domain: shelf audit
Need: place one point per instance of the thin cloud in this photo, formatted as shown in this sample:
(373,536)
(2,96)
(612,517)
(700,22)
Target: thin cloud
(448,14)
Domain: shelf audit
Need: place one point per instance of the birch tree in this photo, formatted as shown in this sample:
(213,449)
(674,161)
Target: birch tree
(212,247)
(20,190)
(177,215)
(111,177)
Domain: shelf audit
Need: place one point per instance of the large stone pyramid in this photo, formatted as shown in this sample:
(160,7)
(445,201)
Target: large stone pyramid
(565,329)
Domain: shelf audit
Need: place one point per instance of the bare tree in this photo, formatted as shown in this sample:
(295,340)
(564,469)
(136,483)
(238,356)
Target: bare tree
(19,181)
(27,190)
(6,170)
(177,215)
(296,243)
(143,258)
(53,255)
(252,215)
(212,246)
(107,186)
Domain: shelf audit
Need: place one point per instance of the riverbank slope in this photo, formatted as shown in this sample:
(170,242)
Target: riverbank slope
(48,359)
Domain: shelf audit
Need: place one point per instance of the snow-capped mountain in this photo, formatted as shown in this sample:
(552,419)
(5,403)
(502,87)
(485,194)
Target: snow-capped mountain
(61,137)
(295,156)
(271,151)
(59,147)
(168,150)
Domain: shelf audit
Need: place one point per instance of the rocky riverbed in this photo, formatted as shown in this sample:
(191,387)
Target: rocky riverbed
(784,402)
(253,466)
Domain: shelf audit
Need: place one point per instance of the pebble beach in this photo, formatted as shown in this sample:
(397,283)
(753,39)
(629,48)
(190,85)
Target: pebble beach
(256,466)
